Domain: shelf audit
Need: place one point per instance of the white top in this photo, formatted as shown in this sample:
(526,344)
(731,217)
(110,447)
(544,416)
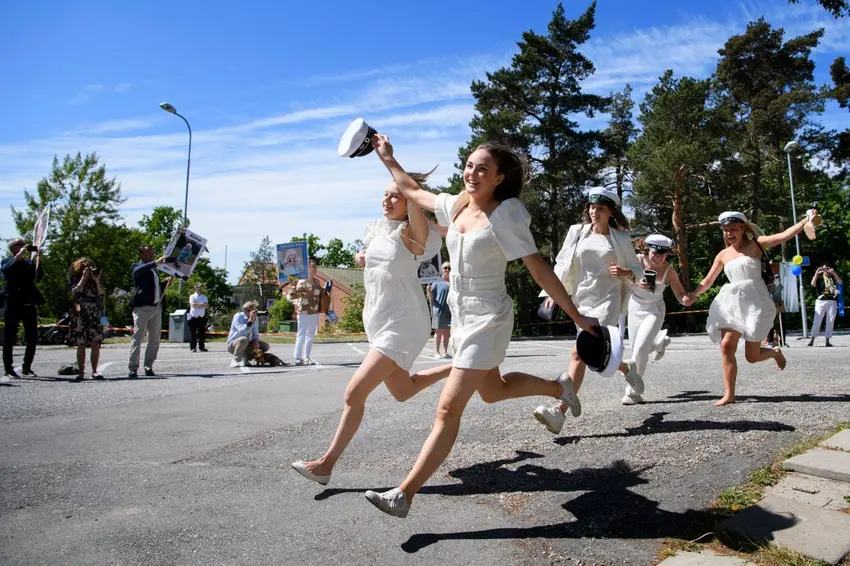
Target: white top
(395,313)
(645,296)
(598,294)
(482,311)
(197,312)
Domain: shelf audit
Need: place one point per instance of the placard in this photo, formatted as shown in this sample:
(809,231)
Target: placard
(429,270)
(182,253)
(292,263)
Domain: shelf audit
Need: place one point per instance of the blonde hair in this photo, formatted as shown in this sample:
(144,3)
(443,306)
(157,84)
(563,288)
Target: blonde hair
(751,232)
(76,269)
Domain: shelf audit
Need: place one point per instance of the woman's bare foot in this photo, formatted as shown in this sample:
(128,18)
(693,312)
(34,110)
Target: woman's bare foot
(727,400)
(780,358)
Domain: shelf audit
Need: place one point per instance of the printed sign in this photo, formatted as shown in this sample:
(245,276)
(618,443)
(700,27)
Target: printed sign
(292,263)
(429,270)
(182,253)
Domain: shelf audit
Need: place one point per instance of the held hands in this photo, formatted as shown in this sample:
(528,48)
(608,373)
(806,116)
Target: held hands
(382,146)
(689,299)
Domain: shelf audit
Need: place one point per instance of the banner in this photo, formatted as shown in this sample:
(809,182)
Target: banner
(292,263)
(430,269)
(182,253)
(39,230)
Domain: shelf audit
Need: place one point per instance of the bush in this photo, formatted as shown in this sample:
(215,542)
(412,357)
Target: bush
(281,311)
(221,322)
(352,320)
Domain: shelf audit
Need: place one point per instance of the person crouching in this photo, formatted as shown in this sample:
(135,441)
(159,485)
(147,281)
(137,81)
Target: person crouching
(244,335)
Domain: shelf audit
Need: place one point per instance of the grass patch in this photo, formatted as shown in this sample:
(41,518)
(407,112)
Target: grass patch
(737,498)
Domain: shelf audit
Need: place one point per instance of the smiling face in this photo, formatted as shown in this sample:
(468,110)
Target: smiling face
(599,213)
(394,204)
(657,258)
(481,175)
(733,233)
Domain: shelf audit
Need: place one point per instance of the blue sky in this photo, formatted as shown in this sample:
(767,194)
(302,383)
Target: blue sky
(268,87)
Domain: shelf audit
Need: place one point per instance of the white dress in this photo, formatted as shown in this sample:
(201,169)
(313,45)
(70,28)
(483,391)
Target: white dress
(482,311)
(646,316)
(744,304)
(395,314)
(598,294)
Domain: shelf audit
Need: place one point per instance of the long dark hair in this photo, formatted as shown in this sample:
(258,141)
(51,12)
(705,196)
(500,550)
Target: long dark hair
(511,165)
(617,219)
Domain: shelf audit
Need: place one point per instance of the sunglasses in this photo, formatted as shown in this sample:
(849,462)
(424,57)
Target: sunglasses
(447,269)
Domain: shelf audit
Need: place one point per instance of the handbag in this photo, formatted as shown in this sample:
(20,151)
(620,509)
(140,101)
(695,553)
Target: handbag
(547,313)
(766,269)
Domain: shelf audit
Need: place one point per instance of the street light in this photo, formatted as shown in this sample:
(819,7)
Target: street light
(171,110)
(789,147)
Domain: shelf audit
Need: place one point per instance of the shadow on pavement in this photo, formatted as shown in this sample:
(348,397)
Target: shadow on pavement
(609,509)
(693,396)
(655,424)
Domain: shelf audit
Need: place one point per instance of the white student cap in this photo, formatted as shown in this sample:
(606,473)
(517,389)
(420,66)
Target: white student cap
(357,139)
(658,242)
(731,216)
(598,195)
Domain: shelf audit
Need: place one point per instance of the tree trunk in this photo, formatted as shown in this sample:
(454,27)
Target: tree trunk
(681,230)
(756,197)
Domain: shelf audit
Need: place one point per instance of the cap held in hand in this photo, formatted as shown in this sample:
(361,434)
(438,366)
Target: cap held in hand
(601,353)
(357,139)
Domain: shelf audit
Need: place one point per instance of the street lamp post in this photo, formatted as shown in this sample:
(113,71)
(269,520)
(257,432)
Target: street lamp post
(789,147)
(171,110)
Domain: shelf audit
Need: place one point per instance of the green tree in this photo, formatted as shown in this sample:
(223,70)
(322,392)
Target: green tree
(84,205)
(280,311)
(840,75)
(769,83)
(337,254)
(160,226)
(260,273)
(837,8)
(352,320)
(617,138)
(674,157)
(314,245)
(532,106)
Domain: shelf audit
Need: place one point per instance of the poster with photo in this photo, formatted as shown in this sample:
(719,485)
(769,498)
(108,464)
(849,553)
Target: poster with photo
(182,253)
(292,263)
(429,270)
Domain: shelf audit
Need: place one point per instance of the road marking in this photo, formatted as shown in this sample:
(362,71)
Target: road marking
(102,367)
(356,349)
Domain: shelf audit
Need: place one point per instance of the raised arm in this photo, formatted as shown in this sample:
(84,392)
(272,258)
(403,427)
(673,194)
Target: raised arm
(418,228)
(409,188)
(776,239)
(546,278)
(815,276)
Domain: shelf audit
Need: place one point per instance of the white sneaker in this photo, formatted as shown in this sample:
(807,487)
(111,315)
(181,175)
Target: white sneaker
(302,469)
(632,399)
(634,380)
(392,502)
(569,395)
(438,355)
(309,362)
(299,362)
(661,345)
(235,363)
(550,417)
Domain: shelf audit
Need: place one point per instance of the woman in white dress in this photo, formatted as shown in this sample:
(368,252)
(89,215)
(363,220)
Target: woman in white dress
(487,227)
(395,316)
(743,307)
(596,265)
(647,309)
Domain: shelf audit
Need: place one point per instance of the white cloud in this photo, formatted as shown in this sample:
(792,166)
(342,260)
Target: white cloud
(87,93)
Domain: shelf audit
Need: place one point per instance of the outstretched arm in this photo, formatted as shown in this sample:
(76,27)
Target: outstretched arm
(409,188)
(776,239)
(709,279)
(546,278)
(676,285)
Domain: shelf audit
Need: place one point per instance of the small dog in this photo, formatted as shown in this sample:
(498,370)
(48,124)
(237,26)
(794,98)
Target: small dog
(266,359)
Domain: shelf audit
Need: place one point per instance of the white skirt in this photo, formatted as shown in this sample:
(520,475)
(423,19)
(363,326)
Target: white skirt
(745,307)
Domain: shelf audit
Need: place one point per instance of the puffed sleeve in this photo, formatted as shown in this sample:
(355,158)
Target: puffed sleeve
(370,233)
(433,244)
(511,227)
(443,208)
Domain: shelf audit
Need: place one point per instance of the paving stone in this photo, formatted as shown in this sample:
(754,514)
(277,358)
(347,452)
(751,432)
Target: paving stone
(832,464)
(704,558)
(812,490)
(818,533)
(840,441)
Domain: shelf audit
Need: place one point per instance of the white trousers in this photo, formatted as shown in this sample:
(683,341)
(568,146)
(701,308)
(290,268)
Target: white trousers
(644,325)
(828,310)
(308,325)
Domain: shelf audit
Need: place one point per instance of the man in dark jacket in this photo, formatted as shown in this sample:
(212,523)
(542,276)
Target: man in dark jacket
(22,297)
(147,312)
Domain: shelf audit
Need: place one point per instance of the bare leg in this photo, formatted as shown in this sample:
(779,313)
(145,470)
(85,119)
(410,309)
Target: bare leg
(437,342)
(445,339)
(459,388)
(94,357)
(374,369)
(728,346)
(577,369)
(81,360)
(756,353)
(495,388)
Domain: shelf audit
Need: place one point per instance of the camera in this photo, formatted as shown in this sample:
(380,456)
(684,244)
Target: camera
(262,313)
(95,271)
(32,248)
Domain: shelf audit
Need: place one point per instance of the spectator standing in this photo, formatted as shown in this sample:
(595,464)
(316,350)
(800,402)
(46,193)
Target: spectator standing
(22,297)
(826,282)
(86,330)
(441,316)
(776,291)
(197,319)
(306,298)
(147,312)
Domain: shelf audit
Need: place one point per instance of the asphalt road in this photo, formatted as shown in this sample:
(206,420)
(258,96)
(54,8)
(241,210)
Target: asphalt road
(192,467)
